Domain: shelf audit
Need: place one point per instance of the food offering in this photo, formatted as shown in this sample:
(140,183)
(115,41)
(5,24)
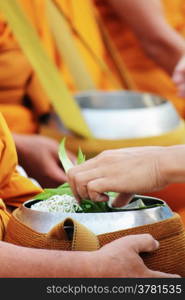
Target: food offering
(62,199)
(54,219)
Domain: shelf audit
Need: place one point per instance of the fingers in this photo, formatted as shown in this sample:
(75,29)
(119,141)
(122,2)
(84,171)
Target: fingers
(142,243)
(179,76)
(90,184)
(87,184)
(122,199)
(93,184)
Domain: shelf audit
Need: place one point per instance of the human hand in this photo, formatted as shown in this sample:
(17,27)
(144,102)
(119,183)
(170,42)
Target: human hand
(121,258)
(179,76)
(38,155)
(126,171)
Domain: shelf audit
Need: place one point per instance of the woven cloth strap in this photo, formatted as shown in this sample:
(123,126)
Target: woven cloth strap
(170,257)
(82,238)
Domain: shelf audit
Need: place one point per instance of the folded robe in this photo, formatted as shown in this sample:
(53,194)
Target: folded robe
(14,188)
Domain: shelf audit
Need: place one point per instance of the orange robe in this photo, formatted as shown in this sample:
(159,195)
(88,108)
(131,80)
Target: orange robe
(18,81)
(22,99)
(14,188)
(146,74)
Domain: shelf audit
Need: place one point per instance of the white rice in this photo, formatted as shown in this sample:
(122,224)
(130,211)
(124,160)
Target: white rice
(58,203)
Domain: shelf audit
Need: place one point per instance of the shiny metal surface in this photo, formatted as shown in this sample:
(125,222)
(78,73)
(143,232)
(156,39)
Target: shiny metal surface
(98,223)
(126,115)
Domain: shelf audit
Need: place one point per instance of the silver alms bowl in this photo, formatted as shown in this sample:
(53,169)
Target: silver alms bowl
(99,223)
(126,115)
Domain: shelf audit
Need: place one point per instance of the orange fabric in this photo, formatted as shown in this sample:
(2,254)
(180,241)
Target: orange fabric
(174,195)
(138,64)
(170,233)
(81,15)
(17,79)
(14,188)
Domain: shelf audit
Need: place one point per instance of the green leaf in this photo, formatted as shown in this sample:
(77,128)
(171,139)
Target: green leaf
(89,206)
(66,184)
(63,189)
(112,194)
(80,157)
(66,162)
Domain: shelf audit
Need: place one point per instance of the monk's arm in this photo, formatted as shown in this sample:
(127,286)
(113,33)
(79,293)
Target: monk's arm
(147,20)
(119,258)
(18,261)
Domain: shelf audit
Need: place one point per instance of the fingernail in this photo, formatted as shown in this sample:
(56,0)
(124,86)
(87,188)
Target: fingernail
(102,198)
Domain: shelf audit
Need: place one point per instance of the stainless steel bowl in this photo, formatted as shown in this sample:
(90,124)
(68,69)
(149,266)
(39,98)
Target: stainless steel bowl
(98,223)
(126,115)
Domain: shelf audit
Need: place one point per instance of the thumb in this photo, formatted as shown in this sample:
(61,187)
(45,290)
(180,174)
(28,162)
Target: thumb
(143,243)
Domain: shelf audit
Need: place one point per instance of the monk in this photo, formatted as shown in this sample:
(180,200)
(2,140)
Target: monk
(149,38)
(146,36)
(18,261)
(25,105)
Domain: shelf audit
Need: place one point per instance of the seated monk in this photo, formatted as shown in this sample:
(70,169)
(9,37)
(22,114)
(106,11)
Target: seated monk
(16,261)
(148,36)
(23,103)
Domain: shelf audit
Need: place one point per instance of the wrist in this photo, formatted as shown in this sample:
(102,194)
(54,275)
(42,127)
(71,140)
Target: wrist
(85,264)
(172,164)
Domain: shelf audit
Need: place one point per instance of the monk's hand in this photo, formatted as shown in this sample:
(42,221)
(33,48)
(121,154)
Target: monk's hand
(126,171)
(179,76)
(121,258)
(38,155)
